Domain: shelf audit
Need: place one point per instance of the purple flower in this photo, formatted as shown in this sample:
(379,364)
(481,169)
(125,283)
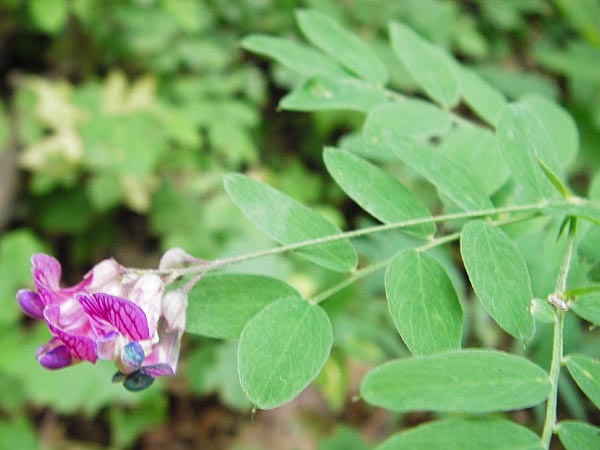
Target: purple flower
(109,315)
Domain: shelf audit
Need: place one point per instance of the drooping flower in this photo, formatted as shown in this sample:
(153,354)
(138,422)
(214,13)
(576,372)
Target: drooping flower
(109,315)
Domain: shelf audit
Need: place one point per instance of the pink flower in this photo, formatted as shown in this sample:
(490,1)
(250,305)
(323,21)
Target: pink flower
(109,315)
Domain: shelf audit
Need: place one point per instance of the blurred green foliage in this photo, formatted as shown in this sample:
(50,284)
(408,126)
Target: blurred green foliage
(118,119)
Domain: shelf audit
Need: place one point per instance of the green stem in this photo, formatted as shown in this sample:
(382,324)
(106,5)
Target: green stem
(552,402)
(381,264)
(534,207)
(557,340)
(362,273)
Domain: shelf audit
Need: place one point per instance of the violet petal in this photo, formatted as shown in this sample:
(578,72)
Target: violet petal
(127,317)
(158,370)
(54,355)
(31,303)
(46,271)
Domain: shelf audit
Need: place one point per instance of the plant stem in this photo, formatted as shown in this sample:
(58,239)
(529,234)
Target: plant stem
(551,403)
(557,340)
(534,207)
(362,273)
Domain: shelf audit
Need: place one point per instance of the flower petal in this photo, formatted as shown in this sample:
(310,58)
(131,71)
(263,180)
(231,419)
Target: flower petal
(132,357)
(46,271)
(54,355)
(106,312)
(137,381)
(80,346)
(147,294)
(158,370)
(31,303)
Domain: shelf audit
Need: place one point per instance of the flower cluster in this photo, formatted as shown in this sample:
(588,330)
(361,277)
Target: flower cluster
(111,315)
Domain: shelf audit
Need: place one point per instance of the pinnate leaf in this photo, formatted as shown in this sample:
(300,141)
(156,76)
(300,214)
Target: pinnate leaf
(499,276)
(473,381)
(423,303)
(378,193)
(288,221)
(465,434)
(281,350)
(221,305)
(342,45)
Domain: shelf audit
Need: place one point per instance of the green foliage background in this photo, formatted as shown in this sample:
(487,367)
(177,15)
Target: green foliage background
(118,120)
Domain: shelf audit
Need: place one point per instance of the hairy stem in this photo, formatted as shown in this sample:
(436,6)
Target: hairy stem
(557,340)
(365,271)
(535,207)
(361,273)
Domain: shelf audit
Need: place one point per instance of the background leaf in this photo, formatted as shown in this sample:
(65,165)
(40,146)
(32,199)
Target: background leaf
(586,373)
(221,305)
(429,66)
(302,59)
(281,350)
(423,303)
(342,45)
(499,276)
(578,435)
(378,193)
(473,381)
(465,434)
(323,93)
(287,221)
(481,97)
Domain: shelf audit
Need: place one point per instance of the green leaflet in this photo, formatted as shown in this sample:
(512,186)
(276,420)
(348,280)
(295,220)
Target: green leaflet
(342,45)
(465,434)
(587,307)
(486,101)
(558,125)
(429,66)
(586,373)
(456,183)
(526,146)
(288,221)
(423,303)
(221,305)
(499,276)
(473,381)
(281,350)
(300,58)
(473,148)
(378,193)
(578,435)
(323,93)
(413,119)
